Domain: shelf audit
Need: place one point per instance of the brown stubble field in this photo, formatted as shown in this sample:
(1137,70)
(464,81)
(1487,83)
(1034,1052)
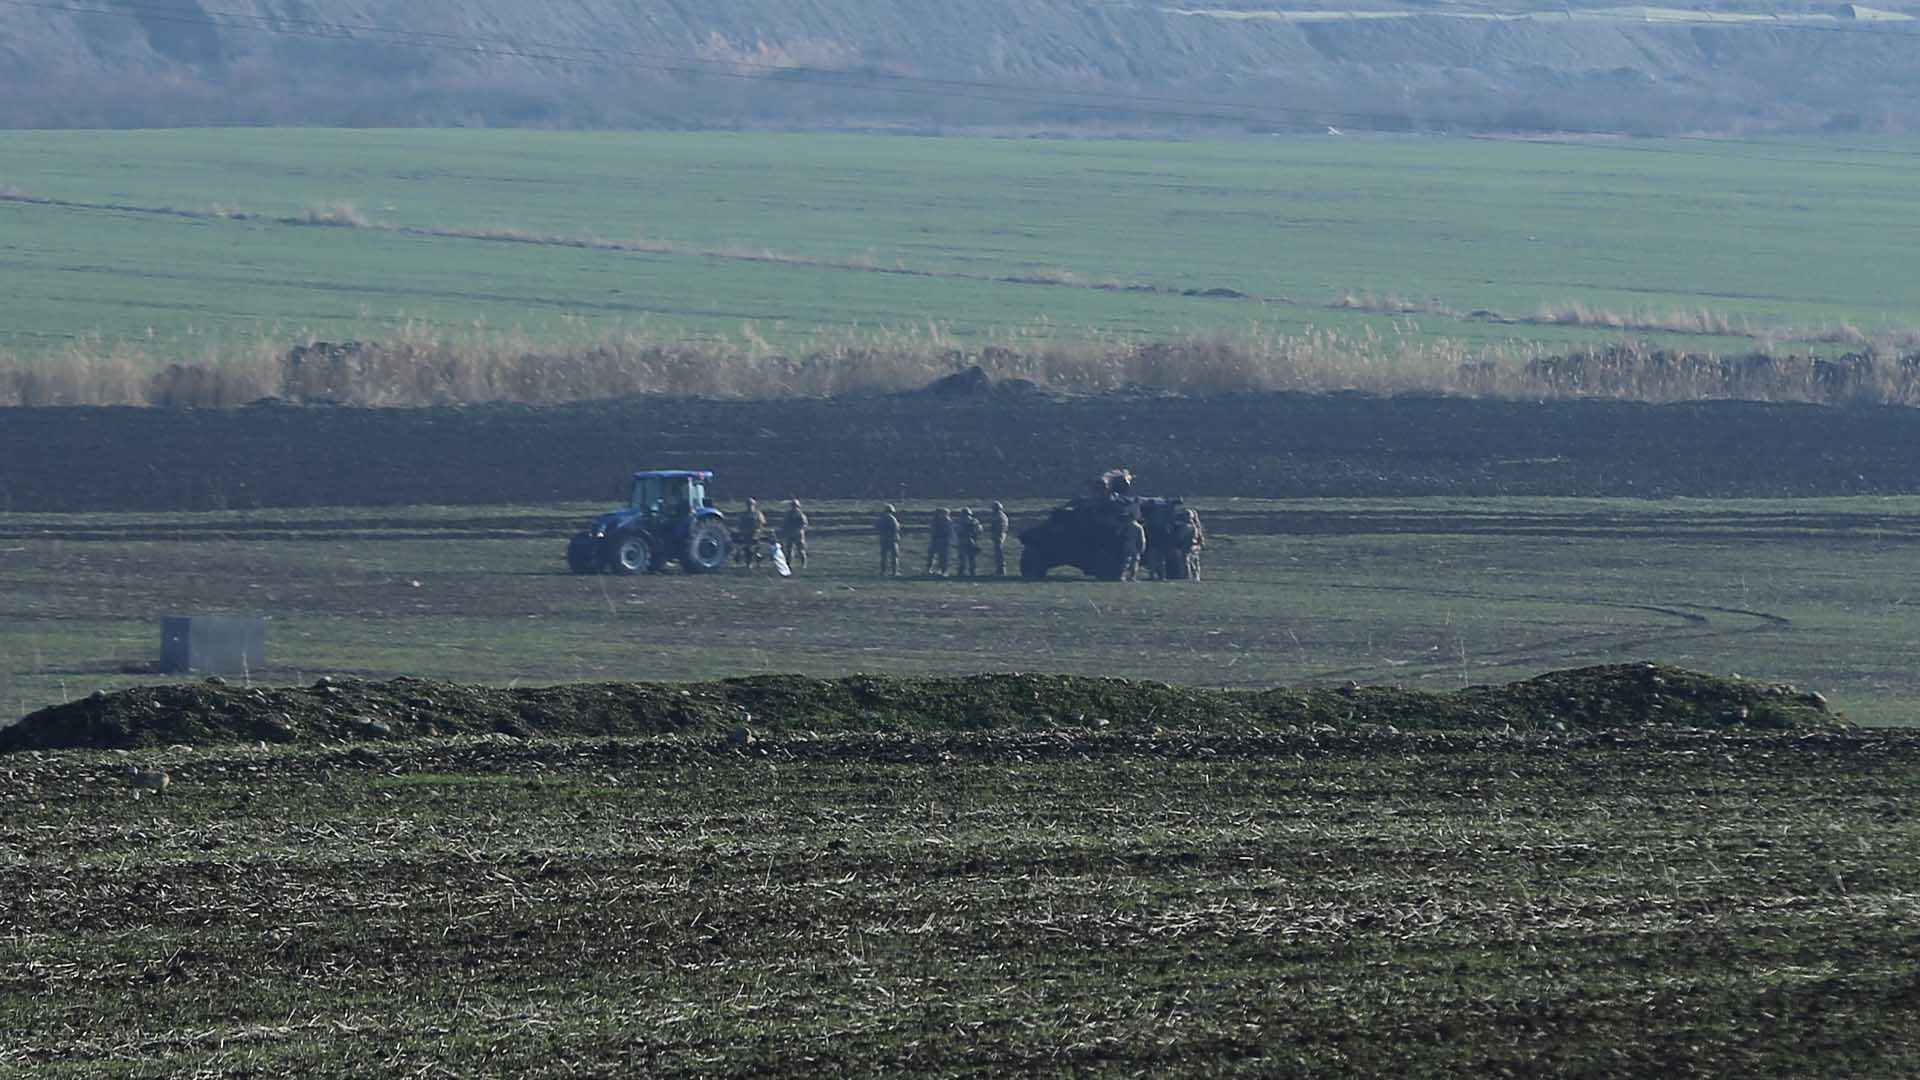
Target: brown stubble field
(1121,903)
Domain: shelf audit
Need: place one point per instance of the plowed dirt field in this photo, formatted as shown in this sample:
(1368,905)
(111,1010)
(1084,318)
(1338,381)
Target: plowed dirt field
(994,444)
(1624,903)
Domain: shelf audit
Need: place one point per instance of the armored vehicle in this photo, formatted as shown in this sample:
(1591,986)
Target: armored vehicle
(668,518)
(1087,533)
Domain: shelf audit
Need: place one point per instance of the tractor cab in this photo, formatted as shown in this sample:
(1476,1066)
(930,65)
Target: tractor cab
(665,495)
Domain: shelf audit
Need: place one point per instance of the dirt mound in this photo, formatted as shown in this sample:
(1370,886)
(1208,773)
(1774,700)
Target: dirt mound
(1622,695)
(974,381)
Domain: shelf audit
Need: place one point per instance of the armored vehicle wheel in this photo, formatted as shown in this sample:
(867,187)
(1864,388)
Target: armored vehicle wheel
(583,554)
(630,554)
(1032,566)
(707,545)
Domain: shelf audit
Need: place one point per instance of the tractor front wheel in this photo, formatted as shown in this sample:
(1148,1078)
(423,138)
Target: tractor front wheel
(630,554)
(583,554)
(707,546)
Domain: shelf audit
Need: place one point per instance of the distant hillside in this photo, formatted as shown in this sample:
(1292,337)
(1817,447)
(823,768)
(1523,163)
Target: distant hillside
(925,65)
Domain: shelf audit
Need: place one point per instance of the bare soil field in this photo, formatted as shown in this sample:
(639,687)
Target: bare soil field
(1203,901)
(1000,443)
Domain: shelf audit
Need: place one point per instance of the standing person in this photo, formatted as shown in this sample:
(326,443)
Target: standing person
(997,529)
(887,526)
(1192,524)
(793,535)
(1133,541)
(889,529)
(1157,520)
(1165,551)
(939,540)
(746,541)
(968,531)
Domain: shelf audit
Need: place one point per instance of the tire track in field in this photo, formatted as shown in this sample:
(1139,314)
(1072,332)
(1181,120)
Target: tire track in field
(1578,525)
(325,217)
(1693,622)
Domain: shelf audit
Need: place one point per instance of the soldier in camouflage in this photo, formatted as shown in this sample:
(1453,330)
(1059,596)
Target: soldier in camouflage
(746,540)
(889,529)
(967,532)
(997,529)
(1133,541)
(939,540)
(793,535)
(1191,527)
(1184,539)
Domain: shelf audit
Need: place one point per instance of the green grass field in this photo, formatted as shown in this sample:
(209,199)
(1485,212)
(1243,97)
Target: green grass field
(783,236)
(1437,594)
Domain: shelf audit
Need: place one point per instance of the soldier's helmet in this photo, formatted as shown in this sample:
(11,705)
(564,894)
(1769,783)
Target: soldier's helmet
(891,510)
(997,506)
(968,512)
(943,512)
(750,503)
(795,503)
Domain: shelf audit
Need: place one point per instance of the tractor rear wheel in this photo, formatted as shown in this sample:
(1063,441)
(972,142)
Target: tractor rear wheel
(630,554)
(707,546)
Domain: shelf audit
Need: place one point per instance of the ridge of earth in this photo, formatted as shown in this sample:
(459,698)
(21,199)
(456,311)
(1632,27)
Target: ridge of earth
(1636,695)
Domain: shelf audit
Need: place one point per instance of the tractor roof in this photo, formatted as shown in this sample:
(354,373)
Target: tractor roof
(674,474)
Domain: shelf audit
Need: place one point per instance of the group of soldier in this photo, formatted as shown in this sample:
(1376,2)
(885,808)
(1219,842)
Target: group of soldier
(954,544)
(1184,538)
(792,535)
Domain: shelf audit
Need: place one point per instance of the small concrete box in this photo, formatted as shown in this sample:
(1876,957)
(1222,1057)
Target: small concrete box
(216,644)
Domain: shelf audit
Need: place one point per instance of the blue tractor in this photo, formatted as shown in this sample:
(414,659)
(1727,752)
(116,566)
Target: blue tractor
(668,518)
